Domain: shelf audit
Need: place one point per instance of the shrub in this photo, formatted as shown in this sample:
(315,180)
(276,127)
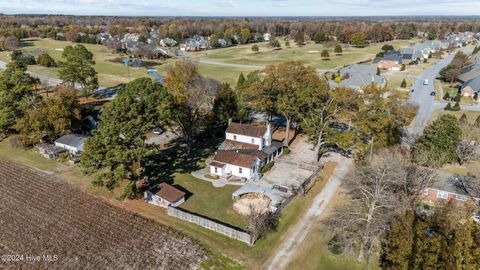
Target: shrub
(448,107)
(456,107)
(46,60)
(403,84)
(402,68)
(446,97)
(457,98)
(267,167)
(286,150)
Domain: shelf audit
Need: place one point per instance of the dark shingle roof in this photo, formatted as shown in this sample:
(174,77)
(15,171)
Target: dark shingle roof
(235,158)
(246,129)
(234,145)
(167,192)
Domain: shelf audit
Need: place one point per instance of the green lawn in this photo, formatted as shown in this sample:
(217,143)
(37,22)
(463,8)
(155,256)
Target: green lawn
(109,74)
(308,54)
(209,201)
(28,157)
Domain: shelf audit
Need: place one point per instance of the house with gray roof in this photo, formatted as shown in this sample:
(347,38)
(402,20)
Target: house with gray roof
(73,143)
(357,76)
(471,88)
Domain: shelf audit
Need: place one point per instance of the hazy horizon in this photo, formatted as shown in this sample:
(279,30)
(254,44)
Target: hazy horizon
(237,8)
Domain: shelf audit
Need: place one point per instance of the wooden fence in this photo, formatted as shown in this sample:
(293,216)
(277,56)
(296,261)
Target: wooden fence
(211,225)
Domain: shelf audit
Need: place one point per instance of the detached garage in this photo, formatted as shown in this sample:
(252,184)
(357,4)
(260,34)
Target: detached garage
(164,195)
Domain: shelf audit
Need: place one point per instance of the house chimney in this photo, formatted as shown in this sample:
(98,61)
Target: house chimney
(229,121)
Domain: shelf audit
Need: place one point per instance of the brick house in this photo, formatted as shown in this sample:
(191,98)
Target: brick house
(445,189)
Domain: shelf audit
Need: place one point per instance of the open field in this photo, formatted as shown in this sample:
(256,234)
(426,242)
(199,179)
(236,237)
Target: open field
(308,54)
(41,216)
(111,74)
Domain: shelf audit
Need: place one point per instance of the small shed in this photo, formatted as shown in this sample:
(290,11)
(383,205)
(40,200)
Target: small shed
(49,151)
(73,143)
(164,195)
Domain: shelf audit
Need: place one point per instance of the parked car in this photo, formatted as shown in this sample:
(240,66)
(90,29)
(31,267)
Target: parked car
(426,82)
(158,131)
(413,90)
(432,94)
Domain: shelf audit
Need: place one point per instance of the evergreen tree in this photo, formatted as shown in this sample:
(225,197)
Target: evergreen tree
(456,107)
(77,69)
(16,94)
(403,84)
(46,60)
(225,106)
(438,144)
(447,97)
(119,142)
(463,120)
(448,107)
(457,98)
(241,81)
(477,122)
(338,49)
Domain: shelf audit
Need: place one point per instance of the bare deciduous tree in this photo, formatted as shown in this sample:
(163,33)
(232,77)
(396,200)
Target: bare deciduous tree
(389,185)
(465,152)
(260,222)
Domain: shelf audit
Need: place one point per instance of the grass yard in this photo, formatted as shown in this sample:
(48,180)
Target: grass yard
(471,115)
(207,200)
(28,157)
(314,254)
(396,81)
(308,54)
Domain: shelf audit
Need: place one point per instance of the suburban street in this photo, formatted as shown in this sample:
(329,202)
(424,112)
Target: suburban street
(287,250)
(421,95)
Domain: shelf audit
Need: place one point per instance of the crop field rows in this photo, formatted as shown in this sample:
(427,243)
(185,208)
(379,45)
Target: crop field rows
(40,216)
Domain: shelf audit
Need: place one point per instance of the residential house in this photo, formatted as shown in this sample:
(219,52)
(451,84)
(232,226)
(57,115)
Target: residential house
(267,37)
(446,188)
(164,195)
(469,73)
(168,42)
(102,37)
(391,61)
(245,150)
(73,143)
(357,76)
(196,43)
(471,89)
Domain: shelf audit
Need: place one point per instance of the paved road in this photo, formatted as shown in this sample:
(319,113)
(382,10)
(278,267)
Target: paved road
(287,250)
(422,97)
(253,67)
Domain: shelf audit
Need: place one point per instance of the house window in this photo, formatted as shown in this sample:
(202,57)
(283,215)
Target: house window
(240,170)
(461,198)
(234,137)
(253,140)
(425,192)
(216,169)
(442,195)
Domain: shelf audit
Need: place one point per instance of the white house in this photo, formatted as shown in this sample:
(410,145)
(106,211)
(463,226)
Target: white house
(267,36)
(73,143)
(164,195)
(246,149)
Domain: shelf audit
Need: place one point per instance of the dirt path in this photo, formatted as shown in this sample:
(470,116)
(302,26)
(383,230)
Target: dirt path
(288,248)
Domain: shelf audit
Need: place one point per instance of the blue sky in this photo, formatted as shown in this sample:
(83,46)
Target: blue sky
(243,7)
